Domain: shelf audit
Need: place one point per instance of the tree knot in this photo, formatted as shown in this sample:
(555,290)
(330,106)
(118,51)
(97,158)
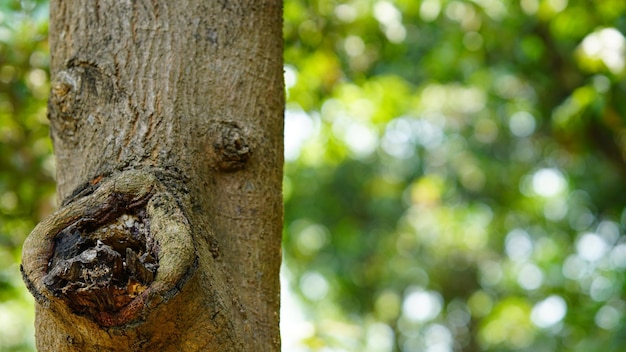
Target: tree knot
(111,251)
(231,147)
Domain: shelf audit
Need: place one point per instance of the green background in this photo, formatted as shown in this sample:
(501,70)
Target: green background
(454,175)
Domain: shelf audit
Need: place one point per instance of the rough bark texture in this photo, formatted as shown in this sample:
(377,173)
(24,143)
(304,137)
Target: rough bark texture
(167,113)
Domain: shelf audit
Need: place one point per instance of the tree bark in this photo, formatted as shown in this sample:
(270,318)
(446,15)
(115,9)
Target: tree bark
(166,119)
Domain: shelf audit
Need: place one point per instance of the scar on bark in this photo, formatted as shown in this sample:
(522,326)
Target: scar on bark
(117,250)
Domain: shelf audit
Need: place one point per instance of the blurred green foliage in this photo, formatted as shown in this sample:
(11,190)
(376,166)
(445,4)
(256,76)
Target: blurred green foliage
(26,162)
(454,175)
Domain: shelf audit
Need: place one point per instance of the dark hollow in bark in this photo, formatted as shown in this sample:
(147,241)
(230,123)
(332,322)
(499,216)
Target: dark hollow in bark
(100,267)
(116,248)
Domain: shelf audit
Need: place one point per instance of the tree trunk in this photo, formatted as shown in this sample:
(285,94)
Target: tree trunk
(166,118)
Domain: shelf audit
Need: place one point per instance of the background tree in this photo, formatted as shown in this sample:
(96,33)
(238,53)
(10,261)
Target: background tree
(453,179)
(167,128)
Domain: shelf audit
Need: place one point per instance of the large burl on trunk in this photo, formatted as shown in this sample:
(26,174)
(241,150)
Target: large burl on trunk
(166,119)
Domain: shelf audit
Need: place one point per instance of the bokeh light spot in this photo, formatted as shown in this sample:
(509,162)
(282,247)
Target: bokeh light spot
(530,277)
(387,305)
(312,238)
(380,338)
(608,317)
(618,256)
(480,304)
(591,247)
(354,45)
(314,286)
(361,139)
(346,13)
(608,45)
(548,182)
(522,124)
(473,41)
(518,245)
(430,9)
(438,338)
(575,268)
(549,312)
(421,306)
(601,289)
